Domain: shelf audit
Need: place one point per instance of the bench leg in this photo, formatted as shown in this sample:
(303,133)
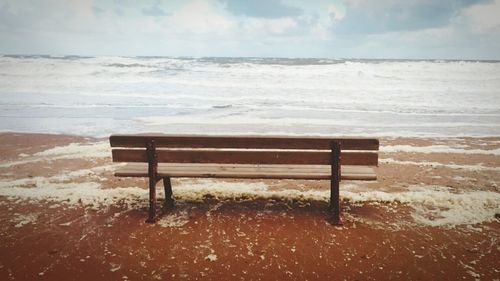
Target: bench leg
(335,183)
(167,186)
(335,200)
(153,179)
(152,201)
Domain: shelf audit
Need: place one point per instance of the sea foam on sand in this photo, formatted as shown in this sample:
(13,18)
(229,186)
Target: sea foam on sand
(432,205)
(70,151)
(437,149)
(476,167)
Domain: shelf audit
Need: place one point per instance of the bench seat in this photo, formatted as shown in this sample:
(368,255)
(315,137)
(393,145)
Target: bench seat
(247,171)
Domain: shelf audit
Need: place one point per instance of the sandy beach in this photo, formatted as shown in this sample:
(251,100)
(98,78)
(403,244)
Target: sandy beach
(433,214)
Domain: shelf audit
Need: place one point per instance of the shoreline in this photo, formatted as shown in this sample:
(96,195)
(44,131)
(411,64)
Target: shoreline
(433,213)
(390,136)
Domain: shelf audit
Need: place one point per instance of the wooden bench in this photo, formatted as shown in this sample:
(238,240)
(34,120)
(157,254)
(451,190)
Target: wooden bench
(251,157)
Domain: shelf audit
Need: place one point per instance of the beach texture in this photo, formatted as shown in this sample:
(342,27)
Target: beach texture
(433,214)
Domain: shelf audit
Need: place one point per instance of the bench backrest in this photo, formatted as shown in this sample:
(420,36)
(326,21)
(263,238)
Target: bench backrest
(243,149)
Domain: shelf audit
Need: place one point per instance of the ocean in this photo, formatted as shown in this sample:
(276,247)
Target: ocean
(98,96)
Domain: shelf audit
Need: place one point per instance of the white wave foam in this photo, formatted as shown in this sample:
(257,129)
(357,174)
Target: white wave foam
(290,121)
(386,96)
(23,219)
(162,120)
(78,150)
(177,219)
(438,206)
(88,194)
(437,149)
(477,167)
(71,151)
(432,205)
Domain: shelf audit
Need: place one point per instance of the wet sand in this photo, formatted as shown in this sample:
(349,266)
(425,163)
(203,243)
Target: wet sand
(222,236)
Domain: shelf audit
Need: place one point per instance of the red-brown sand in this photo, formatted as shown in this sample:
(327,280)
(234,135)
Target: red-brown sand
(244,238)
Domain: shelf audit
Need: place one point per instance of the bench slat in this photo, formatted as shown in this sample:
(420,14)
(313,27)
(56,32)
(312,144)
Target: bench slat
(257,142)
(247,171)
(246,157)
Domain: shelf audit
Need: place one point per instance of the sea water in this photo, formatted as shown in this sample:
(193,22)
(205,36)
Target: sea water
(98,96)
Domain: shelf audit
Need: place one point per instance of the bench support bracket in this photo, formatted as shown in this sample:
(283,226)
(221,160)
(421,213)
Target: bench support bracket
(335,183)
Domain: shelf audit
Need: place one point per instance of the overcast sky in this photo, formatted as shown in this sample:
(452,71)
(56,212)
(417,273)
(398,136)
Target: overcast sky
(448,29)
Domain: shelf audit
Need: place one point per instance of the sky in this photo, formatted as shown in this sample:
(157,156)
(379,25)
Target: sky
(400,29)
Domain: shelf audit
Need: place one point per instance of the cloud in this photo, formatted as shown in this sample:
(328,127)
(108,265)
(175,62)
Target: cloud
(368,17)
(261,8)
(472,31)
(200,17)
(50,15)
(335,14)
(483,18)
(154,10)
(315,28)
(261,27)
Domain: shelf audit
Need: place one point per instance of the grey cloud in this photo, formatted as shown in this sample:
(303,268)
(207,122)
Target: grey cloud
(387,16)
(261,8)
(154,10)
(119,12)
(97,10)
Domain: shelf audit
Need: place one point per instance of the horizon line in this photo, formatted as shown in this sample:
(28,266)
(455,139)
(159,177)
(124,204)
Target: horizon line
(250,57)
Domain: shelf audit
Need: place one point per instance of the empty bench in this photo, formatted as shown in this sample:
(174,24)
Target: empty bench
(247,157)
